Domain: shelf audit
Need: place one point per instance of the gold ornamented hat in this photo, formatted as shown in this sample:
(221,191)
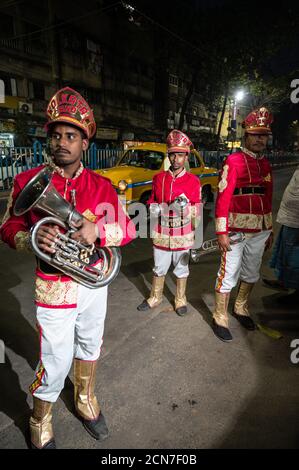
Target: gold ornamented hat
(68,106)
(258,121)
(177,141)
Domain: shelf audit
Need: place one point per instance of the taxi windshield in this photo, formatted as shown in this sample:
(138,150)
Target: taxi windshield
(148,159)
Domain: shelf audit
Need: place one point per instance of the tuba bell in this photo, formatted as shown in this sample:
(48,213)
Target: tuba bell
(209,246)
(70,257)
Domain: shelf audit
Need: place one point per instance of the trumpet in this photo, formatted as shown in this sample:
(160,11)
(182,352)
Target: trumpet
(178,205)
(71,257)
(212,245)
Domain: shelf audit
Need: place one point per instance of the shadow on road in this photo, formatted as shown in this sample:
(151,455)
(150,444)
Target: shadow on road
(273,406)
(140,273)
(20,337)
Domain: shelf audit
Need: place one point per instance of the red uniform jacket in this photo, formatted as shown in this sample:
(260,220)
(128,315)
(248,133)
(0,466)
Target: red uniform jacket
(244,212)
(92,190)
(173,231)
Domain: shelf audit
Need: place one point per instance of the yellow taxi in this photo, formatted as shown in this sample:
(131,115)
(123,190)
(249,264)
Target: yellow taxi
(133,175)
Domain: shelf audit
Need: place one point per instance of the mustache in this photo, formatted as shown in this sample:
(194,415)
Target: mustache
(61,150)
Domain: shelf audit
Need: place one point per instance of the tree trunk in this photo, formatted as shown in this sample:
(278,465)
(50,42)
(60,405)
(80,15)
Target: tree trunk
(222,114)
(187,98)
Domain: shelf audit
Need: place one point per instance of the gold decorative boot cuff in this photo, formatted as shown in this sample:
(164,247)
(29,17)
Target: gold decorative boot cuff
(156,294)
(220,314)
(41,423)
(86,402)
(180,297)
(241,302)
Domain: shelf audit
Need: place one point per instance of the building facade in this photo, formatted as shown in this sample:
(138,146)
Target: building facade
(106,55)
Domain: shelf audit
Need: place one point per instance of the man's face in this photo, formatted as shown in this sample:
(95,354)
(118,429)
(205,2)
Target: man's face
(67,144)
(177,159)
(256,142)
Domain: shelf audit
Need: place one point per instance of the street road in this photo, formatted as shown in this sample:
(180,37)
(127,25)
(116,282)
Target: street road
(164,381)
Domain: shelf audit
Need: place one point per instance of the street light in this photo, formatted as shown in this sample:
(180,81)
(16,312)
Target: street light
(239,95)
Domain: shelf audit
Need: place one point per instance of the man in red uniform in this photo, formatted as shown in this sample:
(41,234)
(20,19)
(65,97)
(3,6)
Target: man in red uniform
(244,204)
(175,232)
(70,316)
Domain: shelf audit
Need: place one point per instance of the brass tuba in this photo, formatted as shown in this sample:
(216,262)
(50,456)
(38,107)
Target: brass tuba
(211,245)
(71,257)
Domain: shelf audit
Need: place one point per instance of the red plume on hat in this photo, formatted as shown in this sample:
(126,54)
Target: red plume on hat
(177,141)
(69,107)
(258,121)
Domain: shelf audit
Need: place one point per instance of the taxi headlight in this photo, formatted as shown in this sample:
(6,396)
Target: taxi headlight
(122,185)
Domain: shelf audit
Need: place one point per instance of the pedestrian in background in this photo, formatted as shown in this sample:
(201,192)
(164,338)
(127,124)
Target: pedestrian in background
(285,256)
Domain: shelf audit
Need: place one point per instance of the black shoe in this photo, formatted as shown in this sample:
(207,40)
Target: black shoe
(221,332)
(274,284)
(143,306)
(181,311)
(50,445)
(245,321)
(97,428)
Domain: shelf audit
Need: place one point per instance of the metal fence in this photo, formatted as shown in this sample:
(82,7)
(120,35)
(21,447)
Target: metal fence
(215,158)
(17,159)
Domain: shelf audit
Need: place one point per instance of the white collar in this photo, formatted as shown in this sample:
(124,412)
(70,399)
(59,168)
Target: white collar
(251,154)
(179,175)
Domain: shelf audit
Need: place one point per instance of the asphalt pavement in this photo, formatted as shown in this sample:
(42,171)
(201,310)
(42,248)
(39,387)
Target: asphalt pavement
(164,381)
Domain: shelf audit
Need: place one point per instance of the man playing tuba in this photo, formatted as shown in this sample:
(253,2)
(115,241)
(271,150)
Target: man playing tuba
(70,316)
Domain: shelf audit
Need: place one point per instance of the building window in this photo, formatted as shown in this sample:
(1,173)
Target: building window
(173,80)
(6,26)
(36,40)
(139,107)
(10,85)
(36,90)
(14,88)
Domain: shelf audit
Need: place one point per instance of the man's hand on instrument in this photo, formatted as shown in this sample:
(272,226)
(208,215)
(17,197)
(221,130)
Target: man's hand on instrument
(269,241)
(46,237)
(87,234)
(223,241)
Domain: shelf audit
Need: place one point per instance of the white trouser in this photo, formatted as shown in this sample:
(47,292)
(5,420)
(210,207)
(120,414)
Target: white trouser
(163,260)
(242,262)
(66,334)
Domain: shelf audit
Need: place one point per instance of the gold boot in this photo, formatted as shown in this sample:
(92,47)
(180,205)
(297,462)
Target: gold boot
(156,295)
(241,312)
(180,300)
(41,426)
(220,316)
(86,402)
